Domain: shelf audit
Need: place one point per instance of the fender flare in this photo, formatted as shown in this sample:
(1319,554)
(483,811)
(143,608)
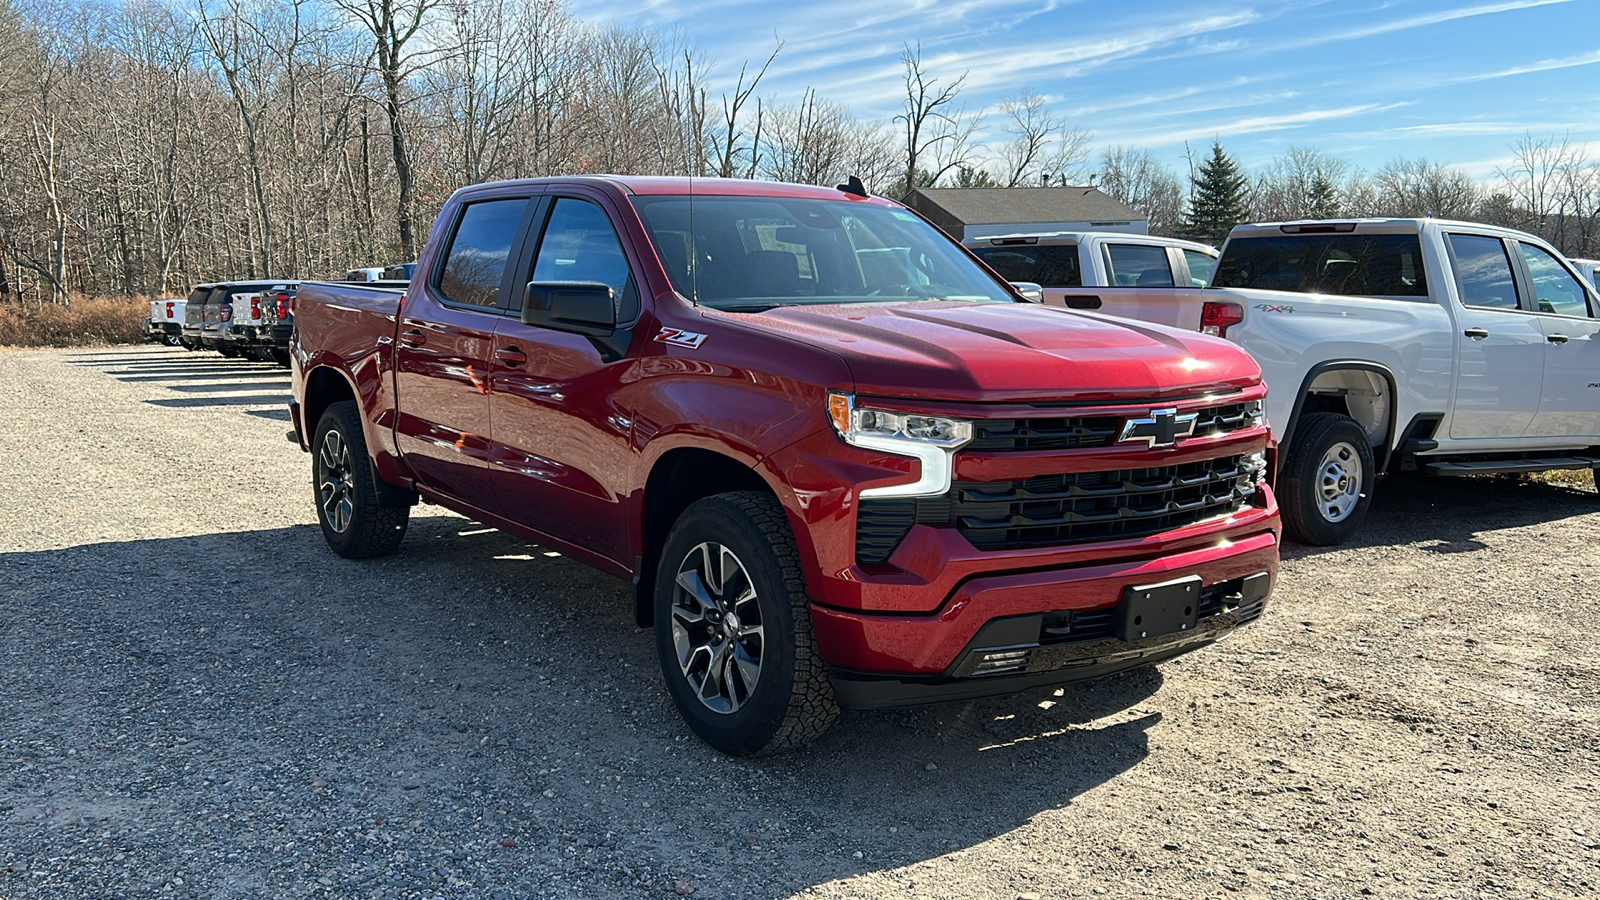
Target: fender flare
(1381,462)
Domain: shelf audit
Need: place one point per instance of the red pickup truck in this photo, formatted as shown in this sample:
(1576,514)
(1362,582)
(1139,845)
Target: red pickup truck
(843,463)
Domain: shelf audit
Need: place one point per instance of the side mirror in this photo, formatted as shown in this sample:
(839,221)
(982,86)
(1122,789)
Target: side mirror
(1029,291)
(579,307)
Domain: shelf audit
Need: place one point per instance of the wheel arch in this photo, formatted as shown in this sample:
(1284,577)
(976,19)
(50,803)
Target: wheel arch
(1326,388)
(679,477)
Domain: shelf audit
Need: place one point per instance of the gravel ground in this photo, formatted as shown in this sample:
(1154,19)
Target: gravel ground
(198,699)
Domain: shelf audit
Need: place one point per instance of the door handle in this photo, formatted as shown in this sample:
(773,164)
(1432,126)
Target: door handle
(1476,334)
(1557,338)
(510,356)
(413,338)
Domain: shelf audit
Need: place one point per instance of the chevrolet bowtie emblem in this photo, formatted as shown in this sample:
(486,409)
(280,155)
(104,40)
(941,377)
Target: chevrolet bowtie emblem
(1162,429)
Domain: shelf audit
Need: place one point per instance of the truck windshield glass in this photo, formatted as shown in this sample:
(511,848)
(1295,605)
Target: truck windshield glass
(1352,265)
(753,253)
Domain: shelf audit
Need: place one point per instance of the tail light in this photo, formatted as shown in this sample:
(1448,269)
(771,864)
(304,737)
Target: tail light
(1216,317)
(169,309)
(285,304)
(255,307)
(225,312)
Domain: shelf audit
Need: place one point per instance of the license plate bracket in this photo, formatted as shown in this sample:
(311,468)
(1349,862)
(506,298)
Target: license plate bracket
(1157,610)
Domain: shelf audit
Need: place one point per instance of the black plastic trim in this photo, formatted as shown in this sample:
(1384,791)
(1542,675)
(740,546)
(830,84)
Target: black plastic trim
(1335,365)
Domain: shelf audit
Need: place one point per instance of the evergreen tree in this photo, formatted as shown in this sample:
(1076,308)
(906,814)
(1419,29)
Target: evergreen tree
(1217,199)
(1322,198)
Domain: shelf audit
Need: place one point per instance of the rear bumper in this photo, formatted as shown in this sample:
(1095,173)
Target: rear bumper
(1060,616)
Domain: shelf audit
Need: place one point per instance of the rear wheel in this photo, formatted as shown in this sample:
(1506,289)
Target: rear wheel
(1327,481)
(733,628)
(353,523)
(228,350)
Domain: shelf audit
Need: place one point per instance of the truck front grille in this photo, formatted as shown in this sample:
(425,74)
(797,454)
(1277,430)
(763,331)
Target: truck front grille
(1078,432)
(1059,510)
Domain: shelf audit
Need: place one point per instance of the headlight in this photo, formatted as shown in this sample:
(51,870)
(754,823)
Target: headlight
(930,439)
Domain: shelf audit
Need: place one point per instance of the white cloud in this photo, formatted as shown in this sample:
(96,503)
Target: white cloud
(1586,59)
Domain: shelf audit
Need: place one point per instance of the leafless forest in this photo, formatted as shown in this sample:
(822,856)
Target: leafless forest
(145,146)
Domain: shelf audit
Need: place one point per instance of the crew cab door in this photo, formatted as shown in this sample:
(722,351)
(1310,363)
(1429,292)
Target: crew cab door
(1501,346)
(561,458)
(443,350)
(1570,404)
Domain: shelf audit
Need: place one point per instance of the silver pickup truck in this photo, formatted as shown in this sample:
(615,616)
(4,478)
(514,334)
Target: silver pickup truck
(1389,345)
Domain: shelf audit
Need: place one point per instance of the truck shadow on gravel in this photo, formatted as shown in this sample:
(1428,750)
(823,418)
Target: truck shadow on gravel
(1450,515)
(486,712)
(198,379)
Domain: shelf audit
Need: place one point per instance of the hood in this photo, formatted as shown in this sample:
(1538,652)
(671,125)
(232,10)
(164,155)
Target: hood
(1010,351)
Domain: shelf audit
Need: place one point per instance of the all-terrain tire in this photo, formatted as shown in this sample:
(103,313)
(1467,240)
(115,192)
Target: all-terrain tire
(344,487)
(1327,481)
(791,702)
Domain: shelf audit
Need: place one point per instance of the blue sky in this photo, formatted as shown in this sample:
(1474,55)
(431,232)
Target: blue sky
(1367,80)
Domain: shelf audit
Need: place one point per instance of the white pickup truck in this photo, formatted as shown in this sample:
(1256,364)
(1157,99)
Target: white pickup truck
(1395,345)
(1120,269)
(1590,269)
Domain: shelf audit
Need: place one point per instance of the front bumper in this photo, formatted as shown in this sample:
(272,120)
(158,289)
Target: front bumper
(1060,616)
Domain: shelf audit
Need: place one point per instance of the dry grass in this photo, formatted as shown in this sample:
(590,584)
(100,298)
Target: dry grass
(88,322)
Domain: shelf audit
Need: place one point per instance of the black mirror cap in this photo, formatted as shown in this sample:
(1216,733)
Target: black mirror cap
(579,307)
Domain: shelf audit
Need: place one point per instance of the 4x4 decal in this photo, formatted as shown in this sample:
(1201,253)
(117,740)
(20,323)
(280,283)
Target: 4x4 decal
(1268,307)
(681,338)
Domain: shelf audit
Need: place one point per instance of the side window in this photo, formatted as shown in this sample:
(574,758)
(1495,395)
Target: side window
(1201,265)
(579,244)
(476,262)
(1139,265)
(1483,272)
(1553,286)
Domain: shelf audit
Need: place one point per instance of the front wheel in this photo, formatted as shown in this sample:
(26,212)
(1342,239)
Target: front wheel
(733,628)
(1327,482)
(353,523)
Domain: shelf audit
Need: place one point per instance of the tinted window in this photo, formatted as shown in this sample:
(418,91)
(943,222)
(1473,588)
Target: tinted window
(1201,265)
(1483,273)
(754,253)
(1553,286)
(579,244)
(1356,265)
(1054,266)
(1139,265)
(478,251)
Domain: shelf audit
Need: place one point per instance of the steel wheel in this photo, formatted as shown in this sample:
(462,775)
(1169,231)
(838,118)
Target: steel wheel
(717,628)
(335,485)
(1339,482)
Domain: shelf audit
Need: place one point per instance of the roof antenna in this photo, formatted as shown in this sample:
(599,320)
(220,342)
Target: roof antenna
(853,186)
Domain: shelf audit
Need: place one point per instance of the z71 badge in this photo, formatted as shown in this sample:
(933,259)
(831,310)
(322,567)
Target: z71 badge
(681,338)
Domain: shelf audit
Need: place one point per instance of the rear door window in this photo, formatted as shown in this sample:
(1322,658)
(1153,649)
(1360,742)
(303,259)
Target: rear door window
(1139,265)
(1483,272)
(1554,288)
(1352,265)
(476,262)
(1055,265)
(1201,265)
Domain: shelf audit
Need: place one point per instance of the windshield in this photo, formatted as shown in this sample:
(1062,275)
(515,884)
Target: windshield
(755,253)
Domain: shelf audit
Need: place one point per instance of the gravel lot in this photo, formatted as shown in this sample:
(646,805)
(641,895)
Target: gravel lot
(198,699)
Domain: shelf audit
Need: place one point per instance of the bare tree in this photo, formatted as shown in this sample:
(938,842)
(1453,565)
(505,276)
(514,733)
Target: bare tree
(736,150)
(1421,187)
(1136,178)
(1301,184)
(394,24)
(1042,144)
(938,133)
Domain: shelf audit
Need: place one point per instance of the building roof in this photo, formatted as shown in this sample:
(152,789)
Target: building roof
(983,206)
